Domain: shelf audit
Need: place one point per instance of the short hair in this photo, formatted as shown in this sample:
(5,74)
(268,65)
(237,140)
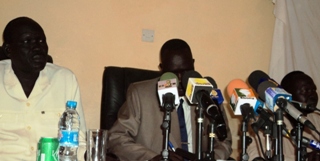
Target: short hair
(13,25)
(286,81)
(174,44)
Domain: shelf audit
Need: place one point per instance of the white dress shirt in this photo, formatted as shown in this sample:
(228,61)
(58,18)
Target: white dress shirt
(187,117)
(23,121)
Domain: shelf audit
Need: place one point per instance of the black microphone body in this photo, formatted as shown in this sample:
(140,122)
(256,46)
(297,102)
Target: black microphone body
(296,114)
(303,106)
(305,141)
(168,100)
(214,113)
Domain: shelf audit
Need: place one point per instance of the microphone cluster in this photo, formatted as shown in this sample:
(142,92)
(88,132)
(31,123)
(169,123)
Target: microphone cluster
(276,97)
(203,92)
(271,99)
(200,91)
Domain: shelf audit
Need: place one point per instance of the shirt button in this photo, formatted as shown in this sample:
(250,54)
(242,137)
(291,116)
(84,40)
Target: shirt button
(28,104)
(29,127)
(32,148)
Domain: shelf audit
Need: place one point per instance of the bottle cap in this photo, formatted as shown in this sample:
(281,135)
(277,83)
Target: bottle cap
(71,104)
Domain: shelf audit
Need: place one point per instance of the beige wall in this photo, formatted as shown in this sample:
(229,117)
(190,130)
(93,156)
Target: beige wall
(229,38)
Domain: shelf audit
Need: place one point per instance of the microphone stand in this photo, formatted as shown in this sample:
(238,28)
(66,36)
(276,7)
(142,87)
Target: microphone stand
(264,123)
(166,127)
(301,150)
(247,113)
(212,135)
(168,106)
(298,134)
(281,103)
(200,119)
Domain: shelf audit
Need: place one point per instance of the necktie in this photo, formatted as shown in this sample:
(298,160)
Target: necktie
(183,129)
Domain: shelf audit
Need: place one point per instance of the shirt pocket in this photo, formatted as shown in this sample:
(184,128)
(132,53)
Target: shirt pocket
(48,122)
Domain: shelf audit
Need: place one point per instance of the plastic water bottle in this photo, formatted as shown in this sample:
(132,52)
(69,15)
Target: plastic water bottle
(69,126)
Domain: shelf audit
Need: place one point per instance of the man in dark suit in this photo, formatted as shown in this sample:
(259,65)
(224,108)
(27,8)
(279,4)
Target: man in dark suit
(137,134)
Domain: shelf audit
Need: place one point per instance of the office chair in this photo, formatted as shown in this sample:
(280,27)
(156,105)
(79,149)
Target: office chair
(115,83)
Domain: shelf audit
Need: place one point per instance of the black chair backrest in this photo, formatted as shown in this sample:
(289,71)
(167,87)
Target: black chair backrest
(115,83)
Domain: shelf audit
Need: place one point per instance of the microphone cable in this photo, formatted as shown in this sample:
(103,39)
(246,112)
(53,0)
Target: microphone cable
(256,131)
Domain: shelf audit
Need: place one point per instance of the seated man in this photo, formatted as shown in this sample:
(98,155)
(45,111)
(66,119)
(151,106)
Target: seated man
(303,89)
(137,134)
(33,92)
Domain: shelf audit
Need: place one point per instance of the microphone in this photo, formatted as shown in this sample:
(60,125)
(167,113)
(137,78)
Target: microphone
(256,77)
(215,94)
(168,91)
(303,106)
(237,101)
(236,83)
(274,95)
(198,92)
(212,81)
(258,107)
(240,94)
(305,141)
(218,99)
(196,86)
(215,113)
(189,74)
(271,93)
(311,143)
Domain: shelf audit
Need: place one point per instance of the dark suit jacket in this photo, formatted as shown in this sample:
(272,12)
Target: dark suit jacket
(137,134)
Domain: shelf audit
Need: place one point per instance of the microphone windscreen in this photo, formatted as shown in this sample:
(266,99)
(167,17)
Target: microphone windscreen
(236,83)
(168,75)
(256,77)
(189,74)
(213,83)
(262,87)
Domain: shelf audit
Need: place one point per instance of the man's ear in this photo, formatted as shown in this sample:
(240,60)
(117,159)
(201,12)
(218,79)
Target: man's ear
(7,49)
(160,67)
